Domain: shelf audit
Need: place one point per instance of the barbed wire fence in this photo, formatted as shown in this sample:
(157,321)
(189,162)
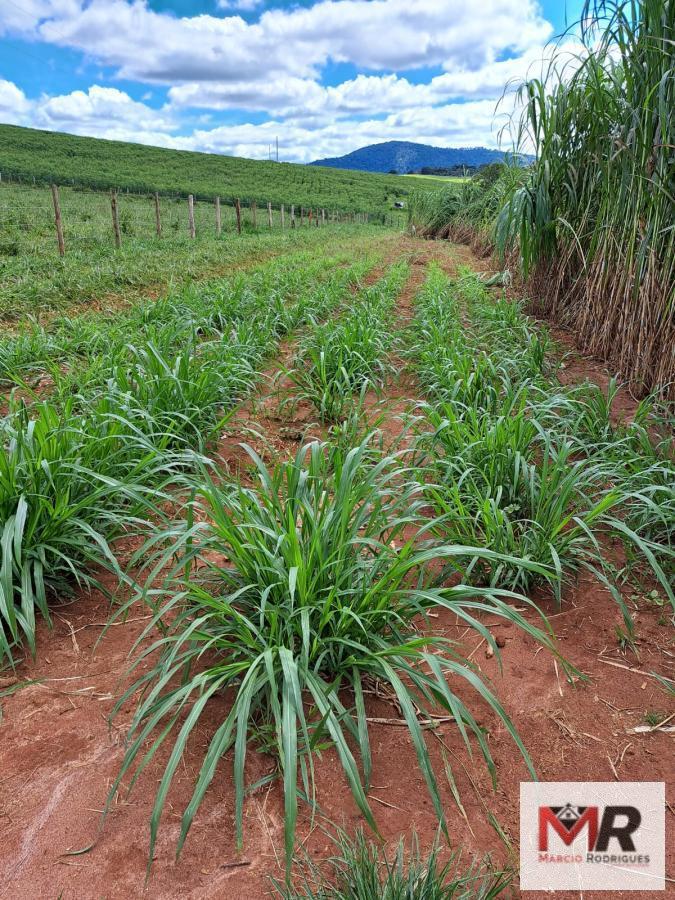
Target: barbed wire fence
(34,213)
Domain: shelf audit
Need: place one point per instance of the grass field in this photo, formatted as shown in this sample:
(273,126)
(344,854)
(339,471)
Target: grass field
(93,163)
(315,503)
(35,280)
(33,277)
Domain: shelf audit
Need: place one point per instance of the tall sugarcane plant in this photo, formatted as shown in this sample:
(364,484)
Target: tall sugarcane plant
(595,221)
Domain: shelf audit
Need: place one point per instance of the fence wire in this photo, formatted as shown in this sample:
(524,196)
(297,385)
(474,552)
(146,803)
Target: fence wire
(27,218)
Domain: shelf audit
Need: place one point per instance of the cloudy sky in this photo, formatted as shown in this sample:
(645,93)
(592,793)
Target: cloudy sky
(229,76)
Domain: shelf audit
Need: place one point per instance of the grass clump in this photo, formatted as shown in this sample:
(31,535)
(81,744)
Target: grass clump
(537,510)
(317,598)
(69,485)
(361,870)
(183,399)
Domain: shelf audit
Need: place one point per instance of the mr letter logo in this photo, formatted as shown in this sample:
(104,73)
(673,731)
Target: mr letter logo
(568,821)
(614,839)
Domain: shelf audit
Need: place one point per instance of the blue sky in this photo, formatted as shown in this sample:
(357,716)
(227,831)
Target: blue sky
(229,76)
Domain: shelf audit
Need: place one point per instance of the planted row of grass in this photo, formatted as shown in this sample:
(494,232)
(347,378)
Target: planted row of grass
(183,375)
(207,310)
(525,466)
(92,461)
(347,356)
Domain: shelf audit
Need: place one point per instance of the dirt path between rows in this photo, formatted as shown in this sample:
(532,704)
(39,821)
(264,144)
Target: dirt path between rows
(58,757)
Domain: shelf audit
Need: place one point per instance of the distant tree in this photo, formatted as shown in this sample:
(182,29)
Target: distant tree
(393,171)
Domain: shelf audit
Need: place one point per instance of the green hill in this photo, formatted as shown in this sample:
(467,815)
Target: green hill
(65,159)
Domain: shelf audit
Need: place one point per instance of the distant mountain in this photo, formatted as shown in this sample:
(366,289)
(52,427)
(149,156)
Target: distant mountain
(405,156)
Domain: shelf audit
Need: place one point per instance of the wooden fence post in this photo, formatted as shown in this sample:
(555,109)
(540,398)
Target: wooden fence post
(158,217)
(269,214)
(115,218)
(237,207)
(302,213)
(323,216)
(309,216)
(292,216)
(283,223)
(219,226)
(57,221)
(191,216)
(254,218)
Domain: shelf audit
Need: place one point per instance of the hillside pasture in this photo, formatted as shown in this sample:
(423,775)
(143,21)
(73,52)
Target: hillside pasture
(46,157)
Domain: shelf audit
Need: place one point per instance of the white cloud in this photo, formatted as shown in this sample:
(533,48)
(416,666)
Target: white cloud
(100,107)
(99,112)
(276,96)
(113,114)
(304,98)
(380,35)
(14,105)
(24,17)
